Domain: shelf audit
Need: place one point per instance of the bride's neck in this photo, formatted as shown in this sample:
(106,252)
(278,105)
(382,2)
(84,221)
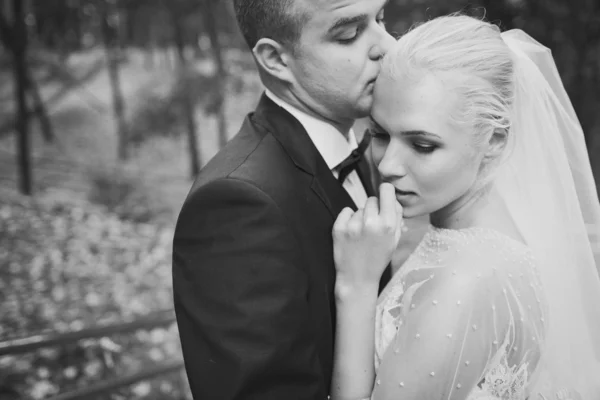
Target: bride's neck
(472,209)
(484,210)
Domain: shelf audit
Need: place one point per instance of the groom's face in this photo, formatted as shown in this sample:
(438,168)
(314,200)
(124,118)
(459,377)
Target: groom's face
(337,57)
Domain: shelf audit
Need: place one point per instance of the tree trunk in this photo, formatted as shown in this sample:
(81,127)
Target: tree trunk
(7,39)
(188,103)
(213,34)
(112,58)
(130,22)
(19,64)
(122,29)
(77,28)
(40,109)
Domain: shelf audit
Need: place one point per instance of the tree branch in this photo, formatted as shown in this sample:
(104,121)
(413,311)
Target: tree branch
(6,33)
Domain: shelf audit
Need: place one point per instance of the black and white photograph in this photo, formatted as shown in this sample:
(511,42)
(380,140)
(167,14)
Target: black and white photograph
(299,200)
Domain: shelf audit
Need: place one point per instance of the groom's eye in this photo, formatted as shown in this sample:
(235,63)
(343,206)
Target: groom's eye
(349,36)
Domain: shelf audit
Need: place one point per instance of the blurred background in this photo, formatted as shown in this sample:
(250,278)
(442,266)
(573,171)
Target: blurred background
(108,108)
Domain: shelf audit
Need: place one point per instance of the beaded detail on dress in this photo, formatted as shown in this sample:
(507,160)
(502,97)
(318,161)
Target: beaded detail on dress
(471,303)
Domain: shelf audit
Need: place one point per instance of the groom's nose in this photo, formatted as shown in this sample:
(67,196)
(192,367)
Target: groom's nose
(379,50)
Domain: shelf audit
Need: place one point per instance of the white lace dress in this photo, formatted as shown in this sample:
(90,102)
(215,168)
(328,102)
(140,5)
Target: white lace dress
(462,319)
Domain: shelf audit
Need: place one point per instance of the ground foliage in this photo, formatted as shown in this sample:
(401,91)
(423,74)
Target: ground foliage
(66,265)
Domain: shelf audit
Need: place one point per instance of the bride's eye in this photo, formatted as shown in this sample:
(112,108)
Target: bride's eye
(424,148)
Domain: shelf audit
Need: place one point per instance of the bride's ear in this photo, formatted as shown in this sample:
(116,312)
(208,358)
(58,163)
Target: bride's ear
(497,144)
(273,58)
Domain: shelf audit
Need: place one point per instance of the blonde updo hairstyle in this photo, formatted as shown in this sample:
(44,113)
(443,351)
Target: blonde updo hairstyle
(479,67)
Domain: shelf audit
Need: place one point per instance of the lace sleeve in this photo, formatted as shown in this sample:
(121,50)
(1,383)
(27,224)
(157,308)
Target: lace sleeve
(465,334)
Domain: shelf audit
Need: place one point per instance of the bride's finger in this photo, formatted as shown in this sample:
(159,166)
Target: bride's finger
(399,221)
(341,222)
(387,201)
(371,210)
(355,224)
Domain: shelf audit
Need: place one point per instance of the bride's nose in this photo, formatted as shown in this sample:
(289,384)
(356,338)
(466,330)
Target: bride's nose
(391,166)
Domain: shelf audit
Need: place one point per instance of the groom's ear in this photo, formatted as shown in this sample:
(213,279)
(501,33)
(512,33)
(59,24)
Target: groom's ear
(497,144)
(273,58)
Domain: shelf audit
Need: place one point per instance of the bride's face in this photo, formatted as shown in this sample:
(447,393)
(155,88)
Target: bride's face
(431,162)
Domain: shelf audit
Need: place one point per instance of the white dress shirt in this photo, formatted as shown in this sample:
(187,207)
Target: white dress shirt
(331,144)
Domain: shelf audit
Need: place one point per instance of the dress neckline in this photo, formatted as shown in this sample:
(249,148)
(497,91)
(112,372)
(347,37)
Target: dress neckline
(475,231)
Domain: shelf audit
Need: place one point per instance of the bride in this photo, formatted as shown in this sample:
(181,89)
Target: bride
(501,298)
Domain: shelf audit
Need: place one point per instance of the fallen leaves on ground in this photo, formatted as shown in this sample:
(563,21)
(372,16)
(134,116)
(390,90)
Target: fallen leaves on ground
(66,265)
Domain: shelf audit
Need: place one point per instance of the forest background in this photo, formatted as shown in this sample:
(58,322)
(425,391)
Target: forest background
(108,108)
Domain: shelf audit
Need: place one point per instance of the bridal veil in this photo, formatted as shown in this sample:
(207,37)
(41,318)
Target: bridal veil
(548,186)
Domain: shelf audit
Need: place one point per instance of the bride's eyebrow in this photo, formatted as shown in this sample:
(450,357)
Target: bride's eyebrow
(416,132)
(419,133)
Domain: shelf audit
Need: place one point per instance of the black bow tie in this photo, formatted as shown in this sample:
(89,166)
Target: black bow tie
(351,162)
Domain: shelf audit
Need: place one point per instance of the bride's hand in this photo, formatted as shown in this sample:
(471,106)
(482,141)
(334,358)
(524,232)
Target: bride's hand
(363,241)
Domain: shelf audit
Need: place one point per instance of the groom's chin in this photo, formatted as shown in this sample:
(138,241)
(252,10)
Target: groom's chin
(363,108)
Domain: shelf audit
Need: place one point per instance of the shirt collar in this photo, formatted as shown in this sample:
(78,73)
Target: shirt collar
(331,144)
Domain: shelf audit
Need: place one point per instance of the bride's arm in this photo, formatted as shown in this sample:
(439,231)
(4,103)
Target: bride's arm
(353,367)
(363,245)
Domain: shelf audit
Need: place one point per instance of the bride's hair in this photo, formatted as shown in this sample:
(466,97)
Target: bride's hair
(472,55)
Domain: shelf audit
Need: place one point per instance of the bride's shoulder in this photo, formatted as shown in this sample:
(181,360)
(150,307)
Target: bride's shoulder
(475,265)
(480,249)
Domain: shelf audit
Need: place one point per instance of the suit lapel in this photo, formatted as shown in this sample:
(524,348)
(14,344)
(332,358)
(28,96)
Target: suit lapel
(298,145)
(327,185)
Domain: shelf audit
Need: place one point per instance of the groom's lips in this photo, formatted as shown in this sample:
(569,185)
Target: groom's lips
(370,87)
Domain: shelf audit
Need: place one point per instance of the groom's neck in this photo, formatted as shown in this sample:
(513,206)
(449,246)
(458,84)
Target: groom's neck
(315,110)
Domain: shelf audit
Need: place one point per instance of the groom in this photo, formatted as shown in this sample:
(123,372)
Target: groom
(253,270)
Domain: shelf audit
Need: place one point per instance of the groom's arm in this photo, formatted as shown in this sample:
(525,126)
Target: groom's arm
(241,298)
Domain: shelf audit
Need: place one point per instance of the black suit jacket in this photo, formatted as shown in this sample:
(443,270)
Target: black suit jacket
(253,270)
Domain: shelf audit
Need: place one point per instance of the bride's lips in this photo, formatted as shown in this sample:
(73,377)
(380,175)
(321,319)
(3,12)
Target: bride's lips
(404,193)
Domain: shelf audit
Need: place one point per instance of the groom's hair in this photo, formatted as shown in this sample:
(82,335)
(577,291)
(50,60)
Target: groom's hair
(280,20)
